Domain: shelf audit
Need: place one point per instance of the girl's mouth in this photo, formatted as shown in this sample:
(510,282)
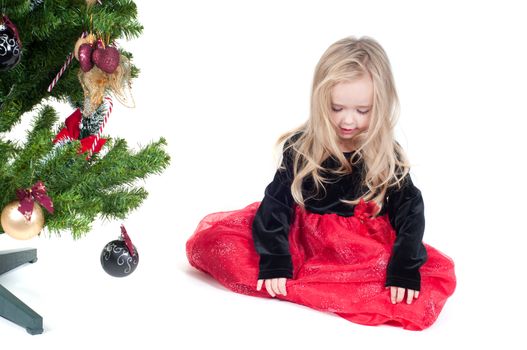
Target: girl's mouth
(347,131)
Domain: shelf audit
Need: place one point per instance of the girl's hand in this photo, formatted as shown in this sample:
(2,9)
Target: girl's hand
(397,294)
(274,286)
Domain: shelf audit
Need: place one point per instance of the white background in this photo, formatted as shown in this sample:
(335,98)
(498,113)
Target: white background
(221,80)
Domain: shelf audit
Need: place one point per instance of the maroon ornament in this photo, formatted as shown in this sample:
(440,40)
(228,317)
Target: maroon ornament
(85,53)
(107,59)
(98,44)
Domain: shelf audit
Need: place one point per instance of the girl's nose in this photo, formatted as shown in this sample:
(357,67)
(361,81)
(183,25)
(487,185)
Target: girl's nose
(350,120)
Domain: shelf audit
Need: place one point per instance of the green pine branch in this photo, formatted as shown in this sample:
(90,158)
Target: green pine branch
(48,35)
(81,190)
(106,186)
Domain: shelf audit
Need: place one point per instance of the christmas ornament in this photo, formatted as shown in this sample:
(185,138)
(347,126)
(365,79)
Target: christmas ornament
(96,142)
(69,58)
(91,143)
(85,54)
(91,124)
(59,74)
(110,74)
(96,84)
(10,45)
(90,52)
(106,58)
(16,225)
(24,219)
(119,258)
(84,39)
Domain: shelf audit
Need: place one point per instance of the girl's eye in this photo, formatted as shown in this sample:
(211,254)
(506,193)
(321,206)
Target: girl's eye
(338,110)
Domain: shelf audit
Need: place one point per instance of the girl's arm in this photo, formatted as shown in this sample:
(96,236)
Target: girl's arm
(405,209)
(270,228)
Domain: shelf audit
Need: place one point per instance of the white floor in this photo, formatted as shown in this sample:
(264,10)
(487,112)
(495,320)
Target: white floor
(221,80)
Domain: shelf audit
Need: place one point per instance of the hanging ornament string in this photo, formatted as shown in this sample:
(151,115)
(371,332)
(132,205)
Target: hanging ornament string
(109,107)
(27,198)
(127,240)
(64,67)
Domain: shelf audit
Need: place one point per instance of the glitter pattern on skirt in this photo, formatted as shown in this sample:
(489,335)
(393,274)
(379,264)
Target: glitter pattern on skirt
(339,265)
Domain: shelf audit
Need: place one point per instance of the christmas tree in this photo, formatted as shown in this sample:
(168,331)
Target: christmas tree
(67,51)
(81,190)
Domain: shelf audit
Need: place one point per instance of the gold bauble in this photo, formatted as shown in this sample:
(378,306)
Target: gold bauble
(17,226)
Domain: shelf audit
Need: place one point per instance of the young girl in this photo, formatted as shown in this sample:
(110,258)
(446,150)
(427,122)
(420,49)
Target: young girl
(340,227)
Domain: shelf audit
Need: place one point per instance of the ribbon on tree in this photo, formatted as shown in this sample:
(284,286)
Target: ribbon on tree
(127,241)
(27,198)
(91,144)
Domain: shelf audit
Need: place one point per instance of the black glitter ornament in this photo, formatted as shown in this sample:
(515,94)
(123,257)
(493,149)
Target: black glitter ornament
(119,258)
(10,45)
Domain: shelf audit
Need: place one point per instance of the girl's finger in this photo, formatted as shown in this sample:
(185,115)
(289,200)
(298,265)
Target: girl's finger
(274,285)
(393,294)
(268,287)
(400,294)
(410,296)
(416,295)
(259,284)
(281,286)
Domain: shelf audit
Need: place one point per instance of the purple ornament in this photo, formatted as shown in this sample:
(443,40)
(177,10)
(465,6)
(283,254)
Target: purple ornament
(85,53)
(106,59)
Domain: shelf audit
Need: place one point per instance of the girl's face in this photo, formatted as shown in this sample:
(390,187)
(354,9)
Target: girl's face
(351,103)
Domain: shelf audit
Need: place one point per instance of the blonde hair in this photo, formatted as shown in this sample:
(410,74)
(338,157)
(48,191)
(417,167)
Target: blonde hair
(385,162)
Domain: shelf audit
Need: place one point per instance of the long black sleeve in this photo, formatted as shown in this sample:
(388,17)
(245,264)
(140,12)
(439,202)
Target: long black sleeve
(270,228)
(405,209)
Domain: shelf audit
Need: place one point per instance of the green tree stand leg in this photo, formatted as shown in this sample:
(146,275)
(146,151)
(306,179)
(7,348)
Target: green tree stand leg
(11,307)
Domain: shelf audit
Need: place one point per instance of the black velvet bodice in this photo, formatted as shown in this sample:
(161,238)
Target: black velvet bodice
(404,206)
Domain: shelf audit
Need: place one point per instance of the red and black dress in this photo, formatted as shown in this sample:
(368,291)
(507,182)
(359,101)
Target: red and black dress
(337,258)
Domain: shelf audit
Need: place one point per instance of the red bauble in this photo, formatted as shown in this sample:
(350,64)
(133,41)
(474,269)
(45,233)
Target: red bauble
(85,53)
(107,59)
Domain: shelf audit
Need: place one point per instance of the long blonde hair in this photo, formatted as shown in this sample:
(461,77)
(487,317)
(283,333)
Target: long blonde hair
(385,161)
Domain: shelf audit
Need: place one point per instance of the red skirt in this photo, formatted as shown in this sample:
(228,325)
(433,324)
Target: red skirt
(339,265)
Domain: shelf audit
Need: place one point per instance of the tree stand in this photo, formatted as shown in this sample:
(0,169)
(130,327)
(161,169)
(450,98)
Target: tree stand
(11,307)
